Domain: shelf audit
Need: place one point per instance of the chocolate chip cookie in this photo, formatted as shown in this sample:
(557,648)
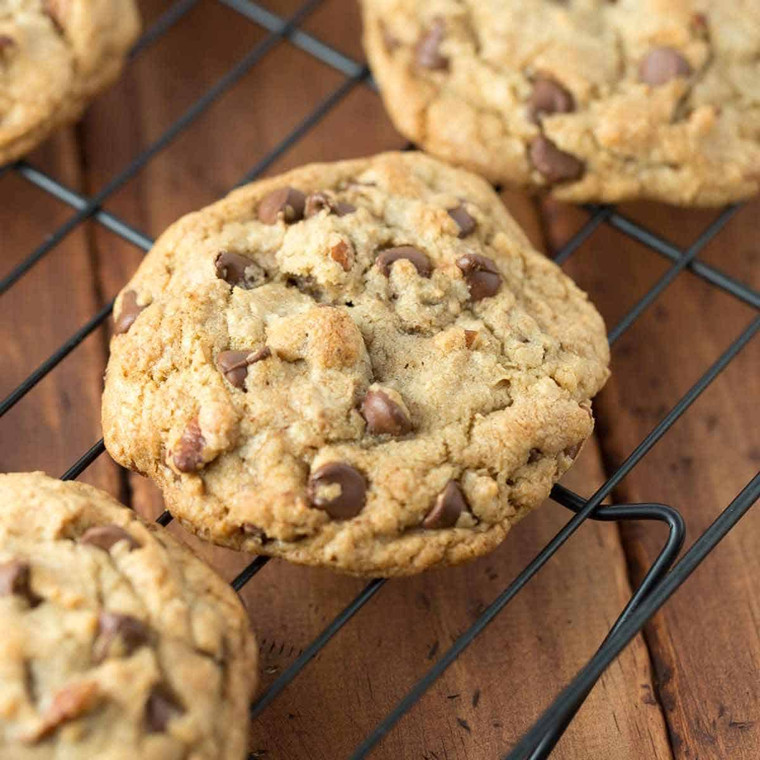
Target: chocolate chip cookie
(591,99)
(116,641)
(362,365)
(55,55)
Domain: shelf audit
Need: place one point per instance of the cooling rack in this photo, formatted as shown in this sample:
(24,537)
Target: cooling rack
(665,574)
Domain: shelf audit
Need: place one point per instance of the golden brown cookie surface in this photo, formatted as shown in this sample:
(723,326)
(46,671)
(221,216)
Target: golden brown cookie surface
(362,365)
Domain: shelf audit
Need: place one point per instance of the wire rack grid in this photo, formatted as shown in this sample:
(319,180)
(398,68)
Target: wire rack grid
(662,578)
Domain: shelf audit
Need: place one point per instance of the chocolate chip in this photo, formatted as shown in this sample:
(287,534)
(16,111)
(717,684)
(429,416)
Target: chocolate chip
(235,270)
(320,201)
(534,455)
(352,485)
(427,50)
(287,204)
(111,625)
(105,536)
(160,708)
(420,260)
(470,336)
(548,97)
(234,364)
(464,221)
(554,164)
(128,314)
(316,202)
(15,580)
(661,65)
(6,43)
(188,456)
(449,504)
(383,415)
(482,276)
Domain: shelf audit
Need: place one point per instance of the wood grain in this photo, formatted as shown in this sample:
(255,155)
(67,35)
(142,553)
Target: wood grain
(706,643)
(689,690)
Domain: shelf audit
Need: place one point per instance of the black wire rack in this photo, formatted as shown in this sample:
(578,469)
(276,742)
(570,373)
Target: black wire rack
(663,577)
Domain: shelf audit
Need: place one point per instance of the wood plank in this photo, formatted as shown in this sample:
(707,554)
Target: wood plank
(705,644)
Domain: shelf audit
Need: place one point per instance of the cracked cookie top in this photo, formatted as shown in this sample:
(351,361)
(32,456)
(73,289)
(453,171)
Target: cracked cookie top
(591,99)
(362,365)
(54,56)
(117,642)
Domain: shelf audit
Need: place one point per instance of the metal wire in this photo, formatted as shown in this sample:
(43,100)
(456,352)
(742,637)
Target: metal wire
(714,276)
(658,583)
(538,742)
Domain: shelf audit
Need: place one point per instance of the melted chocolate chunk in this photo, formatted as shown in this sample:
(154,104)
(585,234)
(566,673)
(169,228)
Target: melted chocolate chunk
(320,201)
(449,504)
(383,415)
(234,364)
(287,204)
(188,456)
(554,164)
(386,258)
(351,495)
(235,270)
(465,222)
(112,626)
(549,97)
(481,274)
(128,313)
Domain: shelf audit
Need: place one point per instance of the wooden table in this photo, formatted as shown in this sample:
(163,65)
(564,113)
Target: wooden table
(687,688)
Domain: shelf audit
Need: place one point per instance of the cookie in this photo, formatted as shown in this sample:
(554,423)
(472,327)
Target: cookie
(117,642)
(362,365)
(590,100)
(55,56)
